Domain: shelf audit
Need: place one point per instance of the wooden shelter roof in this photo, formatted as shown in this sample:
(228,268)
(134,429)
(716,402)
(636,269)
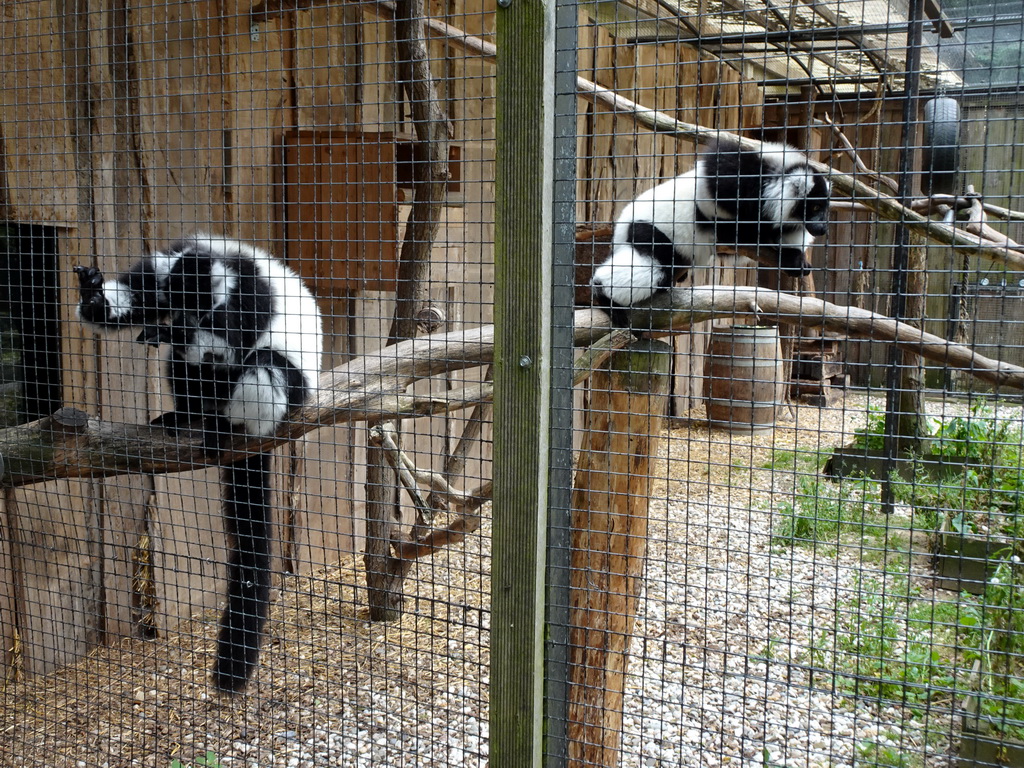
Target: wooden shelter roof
(840,47)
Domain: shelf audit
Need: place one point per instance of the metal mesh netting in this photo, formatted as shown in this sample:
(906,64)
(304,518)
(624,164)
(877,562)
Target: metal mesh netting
(743,527)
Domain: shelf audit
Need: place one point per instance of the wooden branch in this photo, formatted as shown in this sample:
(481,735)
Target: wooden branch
(429,168)
(939,203)
(846,205)
(468,504)
(468,520)
(1000,212)
(384,573)
(854,155)
(466,523)
(385,436)
(455,461)
(372,388)
(977,223)
(72,444)
(410,475)
(681,308)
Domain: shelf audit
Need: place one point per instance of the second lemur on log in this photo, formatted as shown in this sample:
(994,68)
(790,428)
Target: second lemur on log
(245,344)
(770,199)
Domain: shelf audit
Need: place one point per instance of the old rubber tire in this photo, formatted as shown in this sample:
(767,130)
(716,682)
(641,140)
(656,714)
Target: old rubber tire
(940,166)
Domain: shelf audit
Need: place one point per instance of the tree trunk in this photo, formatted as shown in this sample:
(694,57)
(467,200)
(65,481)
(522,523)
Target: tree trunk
(912,421)
(628,399)
(385,572)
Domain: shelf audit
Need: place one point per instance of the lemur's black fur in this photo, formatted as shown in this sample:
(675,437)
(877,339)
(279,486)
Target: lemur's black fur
(770,198)
(245,338)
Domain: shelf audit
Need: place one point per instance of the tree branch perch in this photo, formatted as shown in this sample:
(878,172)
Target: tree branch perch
(372,388)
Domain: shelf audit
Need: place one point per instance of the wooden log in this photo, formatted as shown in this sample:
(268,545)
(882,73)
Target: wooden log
(912,418)
(385,572)
(12,590)
(609,542)
(371,388)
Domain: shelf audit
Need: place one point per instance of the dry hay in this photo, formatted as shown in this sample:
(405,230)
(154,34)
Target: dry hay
(333,688)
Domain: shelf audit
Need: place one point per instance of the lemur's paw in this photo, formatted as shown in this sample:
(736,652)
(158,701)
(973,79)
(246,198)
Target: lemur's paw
(89,278)
(793,262)
(155,335)
(90,286)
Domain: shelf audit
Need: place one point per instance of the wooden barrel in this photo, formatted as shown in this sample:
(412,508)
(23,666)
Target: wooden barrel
(744,377)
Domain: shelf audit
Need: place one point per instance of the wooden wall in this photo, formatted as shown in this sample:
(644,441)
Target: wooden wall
(149,120)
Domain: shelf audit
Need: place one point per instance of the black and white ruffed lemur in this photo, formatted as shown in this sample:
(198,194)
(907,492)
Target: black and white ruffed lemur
(769,198)
(245,344)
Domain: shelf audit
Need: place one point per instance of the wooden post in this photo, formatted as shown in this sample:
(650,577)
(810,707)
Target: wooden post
(628,398)
(912,418)
(535,163)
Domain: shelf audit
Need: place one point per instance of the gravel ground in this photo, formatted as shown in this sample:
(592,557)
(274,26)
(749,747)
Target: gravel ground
(711,693)
(719,672)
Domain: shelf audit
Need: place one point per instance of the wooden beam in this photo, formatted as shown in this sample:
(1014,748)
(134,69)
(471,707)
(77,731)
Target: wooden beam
(524,442)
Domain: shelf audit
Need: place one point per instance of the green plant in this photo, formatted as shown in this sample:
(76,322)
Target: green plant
(874,753)
(872,434)
(209,760)
(781,460)
(979,435)
(829,513)
(890,644)
(987,480)
(808,462)
(1001,626)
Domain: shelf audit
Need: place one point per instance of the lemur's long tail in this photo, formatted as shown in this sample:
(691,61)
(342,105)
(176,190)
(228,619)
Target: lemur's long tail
(247,522)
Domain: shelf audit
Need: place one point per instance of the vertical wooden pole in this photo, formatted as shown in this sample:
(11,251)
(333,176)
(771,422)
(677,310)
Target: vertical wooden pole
(903,267)
(522,365)
(912,418)
(535,103)
(12,590)
(385,573)
(609,542)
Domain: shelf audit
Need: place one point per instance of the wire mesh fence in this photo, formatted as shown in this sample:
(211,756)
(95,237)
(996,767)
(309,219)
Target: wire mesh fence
(704,319)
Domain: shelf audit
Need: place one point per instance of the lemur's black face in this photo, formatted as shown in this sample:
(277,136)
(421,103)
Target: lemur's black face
(816,208)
